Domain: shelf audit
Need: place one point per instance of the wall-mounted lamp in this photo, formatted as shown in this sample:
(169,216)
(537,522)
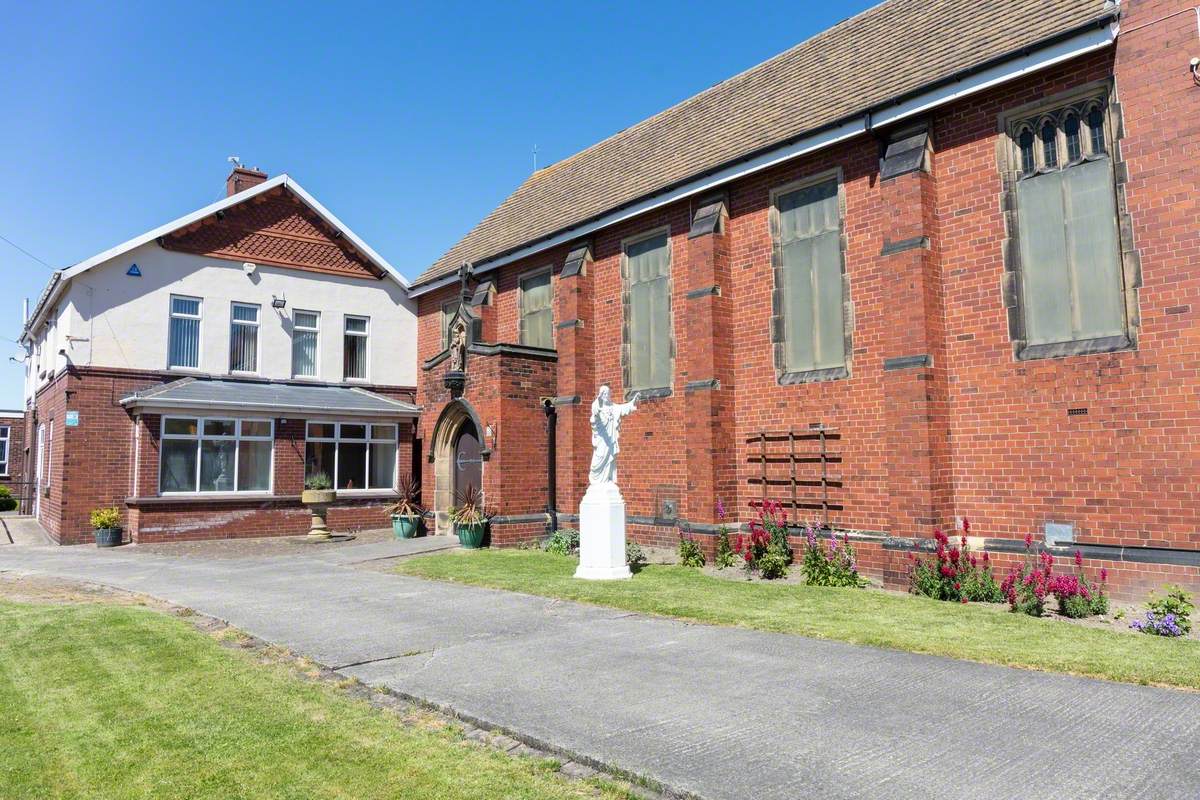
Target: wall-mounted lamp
(489,436)
(279,302)
(1195,62)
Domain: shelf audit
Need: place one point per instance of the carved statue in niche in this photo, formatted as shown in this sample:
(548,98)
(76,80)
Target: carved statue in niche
(458,348)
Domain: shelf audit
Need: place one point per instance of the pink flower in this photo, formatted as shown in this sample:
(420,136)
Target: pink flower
(1028,540)
(1078,559)
(966,525)
(964,601)
(964,542)
(720,509)
(1103,574)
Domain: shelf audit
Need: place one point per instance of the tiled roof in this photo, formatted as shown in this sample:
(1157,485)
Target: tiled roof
(891,50)
(271,398)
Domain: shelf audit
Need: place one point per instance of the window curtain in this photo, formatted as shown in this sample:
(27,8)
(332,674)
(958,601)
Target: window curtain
(648,263)
(304,344)
(810,244)
(243,340)
(1070,254)
(536,312)
(184,334)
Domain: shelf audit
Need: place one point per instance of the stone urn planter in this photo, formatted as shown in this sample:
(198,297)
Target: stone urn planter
(405,527)
(318,502)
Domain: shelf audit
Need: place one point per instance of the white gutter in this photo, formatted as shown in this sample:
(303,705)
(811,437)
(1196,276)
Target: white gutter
(1080,44)
(149,404)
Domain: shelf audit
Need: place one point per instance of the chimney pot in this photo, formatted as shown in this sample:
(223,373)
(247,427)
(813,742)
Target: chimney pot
(242,178)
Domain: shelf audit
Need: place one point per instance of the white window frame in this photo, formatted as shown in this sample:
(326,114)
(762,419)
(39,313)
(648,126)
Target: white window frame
(316,330)
(50,455)
(337,440)
(200,437)
(548,269)
(199,330)
(6,437)
(366,350)
(257,325)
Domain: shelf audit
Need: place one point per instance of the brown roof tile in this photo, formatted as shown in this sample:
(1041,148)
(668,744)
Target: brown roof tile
(892,49)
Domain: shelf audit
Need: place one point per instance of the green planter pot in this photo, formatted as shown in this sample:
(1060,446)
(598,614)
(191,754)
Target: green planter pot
(405,527)
(470,536)
(108,537)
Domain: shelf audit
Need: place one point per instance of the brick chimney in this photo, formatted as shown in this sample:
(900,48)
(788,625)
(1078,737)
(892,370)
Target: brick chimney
(242,178)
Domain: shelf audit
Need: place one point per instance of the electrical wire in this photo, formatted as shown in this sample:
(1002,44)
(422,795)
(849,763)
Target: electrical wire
(23,250)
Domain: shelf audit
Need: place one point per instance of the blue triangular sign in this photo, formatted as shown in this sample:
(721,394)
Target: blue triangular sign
(134,271)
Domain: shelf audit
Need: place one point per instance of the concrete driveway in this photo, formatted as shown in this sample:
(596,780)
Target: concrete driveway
(712,712)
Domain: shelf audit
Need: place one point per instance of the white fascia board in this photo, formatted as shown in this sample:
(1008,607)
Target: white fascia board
(328,216)
(279,180)
(1069,48)
(1078,45)
(151,405)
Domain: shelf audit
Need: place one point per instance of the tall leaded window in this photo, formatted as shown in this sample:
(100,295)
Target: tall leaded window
(810,294)
(1072,287)
(353,455)
(306,331)
(243,338)
(448,311)
(354,348)
(536,317)
(649,339)
(183,337)
(5,437)
(215,454)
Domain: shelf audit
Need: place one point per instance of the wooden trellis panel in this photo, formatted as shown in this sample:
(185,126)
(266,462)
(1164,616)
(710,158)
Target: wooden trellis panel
(800,468)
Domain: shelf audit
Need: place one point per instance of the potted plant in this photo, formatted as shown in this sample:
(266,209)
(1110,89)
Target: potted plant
(406,512)
(469,518)
(106,523)
(318,494)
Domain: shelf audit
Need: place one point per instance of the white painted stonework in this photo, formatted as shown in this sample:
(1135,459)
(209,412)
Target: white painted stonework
(602,534)
(602,510)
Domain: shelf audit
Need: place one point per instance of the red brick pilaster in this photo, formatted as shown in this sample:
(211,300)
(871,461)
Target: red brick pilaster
(576,376)
(705,356)
(914,363)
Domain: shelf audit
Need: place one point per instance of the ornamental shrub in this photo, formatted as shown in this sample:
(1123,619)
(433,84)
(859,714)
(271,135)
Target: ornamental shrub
(955,574)
(690,554)
(768,534)
(725,556)
(773,564)
(635,557)
(563,542)
(1077,596)
(1168,616)
(106,518)
(829,566)
(7,501)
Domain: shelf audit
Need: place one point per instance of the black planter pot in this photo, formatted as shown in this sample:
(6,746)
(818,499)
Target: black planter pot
(108,537)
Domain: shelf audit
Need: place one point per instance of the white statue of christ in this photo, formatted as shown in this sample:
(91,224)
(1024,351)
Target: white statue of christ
(606,434)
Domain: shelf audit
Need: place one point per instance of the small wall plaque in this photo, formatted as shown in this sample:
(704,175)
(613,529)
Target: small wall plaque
(134,272)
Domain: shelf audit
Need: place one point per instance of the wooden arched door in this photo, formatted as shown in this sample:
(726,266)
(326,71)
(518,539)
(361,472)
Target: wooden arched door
(467,466)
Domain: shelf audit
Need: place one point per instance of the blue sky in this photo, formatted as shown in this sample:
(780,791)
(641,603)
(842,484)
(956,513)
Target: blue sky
(410,122)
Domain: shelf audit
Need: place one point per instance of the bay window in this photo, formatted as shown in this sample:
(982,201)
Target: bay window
(215,454)
(353,455)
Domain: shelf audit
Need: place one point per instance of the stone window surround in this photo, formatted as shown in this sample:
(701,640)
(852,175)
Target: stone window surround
(626,243)
(1009,164)
(521,278)
(784,376)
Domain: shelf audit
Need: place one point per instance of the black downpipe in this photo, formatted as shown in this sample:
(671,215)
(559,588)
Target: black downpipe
(551,461)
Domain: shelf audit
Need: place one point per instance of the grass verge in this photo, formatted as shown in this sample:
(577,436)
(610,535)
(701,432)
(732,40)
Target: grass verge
(989,634)
(101,701)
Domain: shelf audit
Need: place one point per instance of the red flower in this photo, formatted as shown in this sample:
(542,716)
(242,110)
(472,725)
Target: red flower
(964,541)
(964,601)
(1028,540)
(966,525)
(1103,574)
(1078,559)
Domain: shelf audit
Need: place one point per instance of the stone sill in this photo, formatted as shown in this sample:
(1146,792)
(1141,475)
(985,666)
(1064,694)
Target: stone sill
(223,499)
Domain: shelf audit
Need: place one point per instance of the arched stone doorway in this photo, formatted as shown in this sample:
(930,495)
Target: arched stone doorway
(458,457)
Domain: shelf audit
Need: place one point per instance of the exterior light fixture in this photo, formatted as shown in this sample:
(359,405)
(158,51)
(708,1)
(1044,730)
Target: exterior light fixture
(278,302)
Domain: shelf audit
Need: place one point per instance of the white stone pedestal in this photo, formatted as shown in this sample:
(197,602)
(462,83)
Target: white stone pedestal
(602,534)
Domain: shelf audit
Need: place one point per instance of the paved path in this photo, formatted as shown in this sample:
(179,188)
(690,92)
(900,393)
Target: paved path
(717,712)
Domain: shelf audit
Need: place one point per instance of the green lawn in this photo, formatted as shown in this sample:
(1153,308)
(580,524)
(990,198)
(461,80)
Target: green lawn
(109,702)
(975,632)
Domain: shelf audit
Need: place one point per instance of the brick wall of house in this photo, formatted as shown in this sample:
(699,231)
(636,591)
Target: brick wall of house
(975,433)
(108,459)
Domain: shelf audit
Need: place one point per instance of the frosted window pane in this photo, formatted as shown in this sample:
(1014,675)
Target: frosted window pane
(649,314)
(1094,250)
(1045,282)
(827,278)
(810,239)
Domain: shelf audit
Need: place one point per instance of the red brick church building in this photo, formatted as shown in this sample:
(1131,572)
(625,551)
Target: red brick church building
(937,262)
